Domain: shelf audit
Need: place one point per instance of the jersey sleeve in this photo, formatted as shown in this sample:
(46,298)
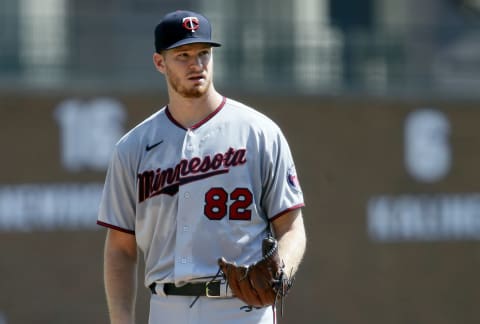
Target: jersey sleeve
(281,187)
(117,205)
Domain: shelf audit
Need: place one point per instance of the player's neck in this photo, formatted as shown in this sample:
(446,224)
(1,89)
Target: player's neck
(189,111)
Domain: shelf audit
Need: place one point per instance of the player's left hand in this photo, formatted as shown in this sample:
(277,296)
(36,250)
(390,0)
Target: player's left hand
(259,284)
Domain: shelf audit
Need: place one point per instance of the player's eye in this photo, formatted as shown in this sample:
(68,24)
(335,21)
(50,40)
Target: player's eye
(182,56)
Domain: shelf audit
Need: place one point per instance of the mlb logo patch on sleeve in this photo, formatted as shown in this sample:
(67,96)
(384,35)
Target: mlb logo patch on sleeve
(292,179)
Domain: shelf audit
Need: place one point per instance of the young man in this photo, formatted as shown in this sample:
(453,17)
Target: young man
(203,178)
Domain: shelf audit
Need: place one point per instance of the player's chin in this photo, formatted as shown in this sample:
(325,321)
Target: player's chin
(194,88)
(194,92)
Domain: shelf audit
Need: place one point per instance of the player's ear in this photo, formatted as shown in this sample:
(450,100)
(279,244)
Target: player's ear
(159,62)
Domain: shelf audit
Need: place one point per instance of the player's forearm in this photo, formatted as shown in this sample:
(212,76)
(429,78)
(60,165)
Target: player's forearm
(120,275)
(292,245)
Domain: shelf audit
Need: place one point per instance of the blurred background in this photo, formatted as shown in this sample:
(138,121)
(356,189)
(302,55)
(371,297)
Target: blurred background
(379,99)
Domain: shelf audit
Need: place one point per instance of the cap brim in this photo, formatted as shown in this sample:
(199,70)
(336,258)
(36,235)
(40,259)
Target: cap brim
(193,40)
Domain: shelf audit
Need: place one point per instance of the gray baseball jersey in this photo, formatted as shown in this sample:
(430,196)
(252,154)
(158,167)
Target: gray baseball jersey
(193,195)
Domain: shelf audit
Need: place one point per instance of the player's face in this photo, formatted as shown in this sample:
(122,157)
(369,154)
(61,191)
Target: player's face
(187,69)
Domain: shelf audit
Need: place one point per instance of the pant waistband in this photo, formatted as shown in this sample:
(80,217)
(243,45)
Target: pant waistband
(212,289)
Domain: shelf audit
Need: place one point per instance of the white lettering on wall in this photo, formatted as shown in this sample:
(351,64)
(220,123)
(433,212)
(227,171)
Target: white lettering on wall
(427,145)
(37,207)
(424,217)
(89,131)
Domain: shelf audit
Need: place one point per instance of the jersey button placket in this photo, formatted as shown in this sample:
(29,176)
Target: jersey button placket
(189,143)
(184,217)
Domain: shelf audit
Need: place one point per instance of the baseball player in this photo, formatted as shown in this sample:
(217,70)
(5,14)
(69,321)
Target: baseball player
(206,189)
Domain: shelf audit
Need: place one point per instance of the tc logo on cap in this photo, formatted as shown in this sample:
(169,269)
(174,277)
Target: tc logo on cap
(191,23)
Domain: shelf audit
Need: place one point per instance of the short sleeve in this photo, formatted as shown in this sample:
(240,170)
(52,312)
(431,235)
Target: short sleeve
(117,205)
(281,186)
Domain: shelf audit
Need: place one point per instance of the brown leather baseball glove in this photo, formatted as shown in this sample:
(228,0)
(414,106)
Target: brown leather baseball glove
(262,283)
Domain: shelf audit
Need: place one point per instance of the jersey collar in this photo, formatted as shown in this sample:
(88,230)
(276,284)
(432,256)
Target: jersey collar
(200,123)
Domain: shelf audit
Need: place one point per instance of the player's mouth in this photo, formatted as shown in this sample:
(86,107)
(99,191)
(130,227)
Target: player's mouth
(196,77)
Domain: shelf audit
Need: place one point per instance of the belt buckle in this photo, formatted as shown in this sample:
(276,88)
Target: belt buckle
(207,293)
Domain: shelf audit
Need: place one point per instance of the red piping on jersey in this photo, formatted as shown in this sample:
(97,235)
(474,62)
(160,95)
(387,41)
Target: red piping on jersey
(200,123)
(286,211)
(115,227)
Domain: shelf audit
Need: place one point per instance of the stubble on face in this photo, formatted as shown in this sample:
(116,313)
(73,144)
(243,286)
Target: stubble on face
(194,91)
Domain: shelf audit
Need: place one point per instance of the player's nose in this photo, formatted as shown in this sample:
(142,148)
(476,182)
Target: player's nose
(197,63)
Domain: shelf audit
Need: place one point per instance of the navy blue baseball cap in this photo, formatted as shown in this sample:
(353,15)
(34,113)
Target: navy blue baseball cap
(182,27)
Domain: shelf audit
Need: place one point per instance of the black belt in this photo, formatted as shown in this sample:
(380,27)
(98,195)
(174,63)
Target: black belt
(208,289)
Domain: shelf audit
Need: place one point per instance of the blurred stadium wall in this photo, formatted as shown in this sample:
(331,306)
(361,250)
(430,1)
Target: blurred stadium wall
(378,98)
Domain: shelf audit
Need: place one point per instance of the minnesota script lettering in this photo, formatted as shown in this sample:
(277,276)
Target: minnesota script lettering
(155,182)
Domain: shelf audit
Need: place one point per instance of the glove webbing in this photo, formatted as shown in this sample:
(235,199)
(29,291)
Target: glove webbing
(282,285)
